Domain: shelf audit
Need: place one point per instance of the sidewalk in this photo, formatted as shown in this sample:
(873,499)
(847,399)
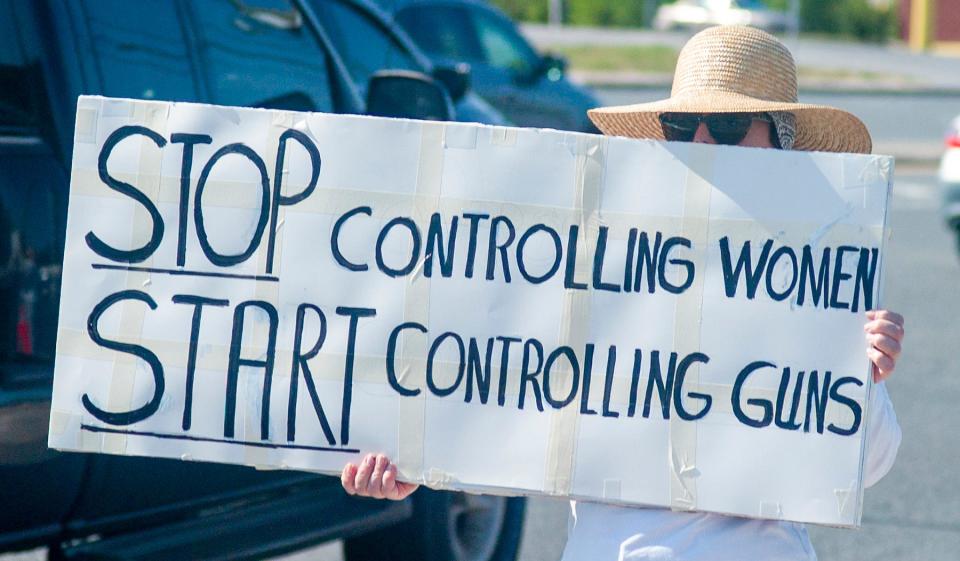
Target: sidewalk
(893,68)
(886,86)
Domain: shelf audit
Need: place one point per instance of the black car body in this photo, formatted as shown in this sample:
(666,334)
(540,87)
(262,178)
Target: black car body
(269,53)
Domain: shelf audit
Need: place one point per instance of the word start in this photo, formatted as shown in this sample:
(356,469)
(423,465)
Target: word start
(548,379)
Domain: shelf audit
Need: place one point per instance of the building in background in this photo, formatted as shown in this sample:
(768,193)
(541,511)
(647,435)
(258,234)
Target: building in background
(931,24)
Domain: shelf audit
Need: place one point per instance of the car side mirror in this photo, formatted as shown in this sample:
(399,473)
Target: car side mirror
(455,78)
(553,66)
(407,95)
(549,66)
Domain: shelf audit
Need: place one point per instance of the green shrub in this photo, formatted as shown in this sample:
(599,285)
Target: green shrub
(524,10)
(850,18)
(614,13)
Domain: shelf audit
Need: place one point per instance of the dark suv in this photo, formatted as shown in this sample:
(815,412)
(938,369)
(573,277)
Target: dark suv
(266,53)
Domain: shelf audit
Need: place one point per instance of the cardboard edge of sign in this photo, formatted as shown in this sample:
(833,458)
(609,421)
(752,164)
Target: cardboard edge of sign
(442,483)
(438,481)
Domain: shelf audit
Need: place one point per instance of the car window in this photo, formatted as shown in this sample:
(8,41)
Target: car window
(260,53)
(140,49)
(443,31)
(31,219)
(502,45)
(17,108)
(364,46)
(31,249)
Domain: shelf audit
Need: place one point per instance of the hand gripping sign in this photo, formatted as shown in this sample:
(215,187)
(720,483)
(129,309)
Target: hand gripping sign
(499,310)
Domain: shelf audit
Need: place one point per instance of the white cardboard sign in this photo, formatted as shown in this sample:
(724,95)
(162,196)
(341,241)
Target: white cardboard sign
(498,309)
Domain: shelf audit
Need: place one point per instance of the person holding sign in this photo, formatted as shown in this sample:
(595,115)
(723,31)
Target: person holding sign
(733,85)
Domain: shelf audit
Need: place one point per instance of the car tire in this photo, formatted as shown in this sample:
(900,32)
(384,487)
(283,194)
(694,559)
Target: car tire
(447,526)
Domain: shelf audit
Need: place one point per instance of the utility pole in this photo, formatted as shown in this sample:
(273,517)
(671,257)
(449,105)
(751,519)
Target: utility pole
(922,27)
(649,11)
(555,12)
(794,12)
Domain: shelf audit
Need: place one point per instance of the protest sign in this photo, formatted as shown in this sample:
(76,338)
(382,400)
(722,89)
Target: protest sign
(497,309)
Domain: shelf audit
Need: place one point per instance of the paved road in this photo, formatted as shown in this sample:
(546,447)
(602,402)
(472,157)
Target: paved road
(896,60)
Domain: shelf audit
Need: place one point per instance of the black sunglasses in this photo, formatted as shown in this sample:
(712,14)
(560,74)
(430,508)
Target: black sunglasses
(725,128)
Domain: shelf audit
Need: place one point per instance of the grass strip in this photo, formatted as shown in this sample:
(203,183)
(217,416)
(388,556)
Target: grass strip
(625,58)
(662,59)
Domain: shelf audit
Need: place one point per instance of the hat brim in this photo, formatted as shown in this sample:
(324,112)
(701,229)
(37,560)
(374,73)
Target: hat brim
(819,127)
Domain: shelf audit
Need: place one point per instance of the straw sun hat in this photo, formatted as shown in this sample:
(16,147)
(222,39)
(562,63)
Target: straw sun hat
(734,69)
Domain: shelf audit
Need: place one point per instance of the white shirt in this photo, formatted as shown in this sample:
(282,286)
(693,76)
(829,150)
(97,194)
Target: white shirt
(606,533)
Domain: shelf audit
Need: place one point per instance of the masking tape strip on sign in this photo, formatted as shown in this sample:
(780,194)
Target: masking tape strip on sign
(564,423)
(260,457)
(132,317)
(416,307)
(686,331)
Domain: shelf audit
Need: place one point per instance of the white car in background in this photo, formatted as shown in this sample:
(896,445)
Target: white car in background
(697,14)
(949,176)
